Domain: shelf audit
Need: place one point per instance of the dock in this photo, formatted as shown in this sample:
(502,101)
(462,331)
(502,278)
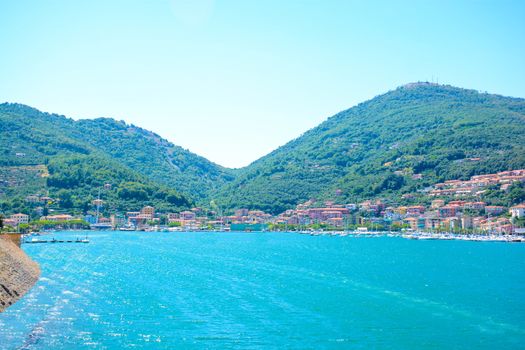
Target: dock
(34,241)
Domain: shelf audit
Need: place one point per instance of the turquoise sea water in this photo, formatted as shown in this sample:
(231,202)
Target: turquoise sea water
(270,291)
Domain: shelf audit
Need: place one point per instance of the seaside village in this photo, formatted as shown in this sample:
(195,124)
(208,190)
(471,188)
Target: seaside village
(455,215)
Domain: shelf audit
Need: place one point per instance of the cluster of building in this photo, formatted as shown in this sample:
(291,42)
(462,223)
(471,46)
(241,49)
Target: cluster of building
(440,215)
(478,184)
(459,215)
(308,214)
(39,199)
(16,219)
(20,218)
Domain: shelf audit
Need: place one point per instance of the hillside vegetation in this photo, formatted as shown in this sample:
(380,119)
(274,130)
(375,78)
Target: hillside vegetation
(42,135)
(397,143)
(52,155)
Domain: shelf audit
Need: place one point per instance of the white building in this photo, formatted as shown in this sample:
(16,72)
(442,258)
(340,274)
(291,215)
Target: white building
(20,218)
(518,211)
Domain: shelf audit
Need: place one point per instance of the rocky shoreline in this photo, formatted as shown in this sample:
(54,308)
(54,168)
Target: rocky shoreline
(18,273)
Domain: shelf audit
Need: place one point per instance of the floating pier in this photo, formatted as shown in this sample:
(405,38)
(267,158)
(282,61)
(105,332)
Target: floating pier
(56,241)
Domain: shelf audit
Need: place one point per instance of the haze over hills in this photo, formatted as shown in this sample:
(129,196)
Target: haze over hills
(396,143)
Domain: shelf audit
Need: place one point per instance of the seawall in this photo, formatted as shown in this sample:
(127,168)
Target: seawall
(18,273)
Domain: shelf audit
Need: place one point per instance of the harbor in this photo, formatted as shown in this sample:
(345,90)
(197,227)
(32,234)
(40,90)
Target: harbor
(417,235)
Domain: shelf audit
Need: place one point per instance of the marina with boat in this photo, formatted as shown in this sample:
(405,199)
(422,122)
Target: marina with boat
(422,235)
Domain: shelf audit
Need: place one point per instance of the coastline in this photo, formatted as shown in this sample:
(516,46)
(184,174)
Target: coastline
(447,236)
(18,273)
(413,235)
(119,285)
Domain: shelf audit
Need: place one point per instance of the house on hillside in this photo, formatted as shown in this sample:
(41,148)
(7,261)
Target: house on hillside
(20,218)
(494,209)
(518,211)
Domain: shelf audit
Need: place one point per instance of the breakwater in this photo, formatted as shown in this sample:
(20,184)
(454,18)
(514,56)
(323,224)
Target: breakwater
(18,273)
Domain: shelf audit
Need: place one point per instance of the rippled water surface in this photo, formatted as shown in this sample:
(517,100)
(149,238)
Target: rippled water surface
(270,291)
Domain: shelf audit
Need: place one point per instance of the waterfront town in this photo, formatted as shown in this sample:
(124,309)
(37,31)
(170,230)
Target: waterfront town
(454,207)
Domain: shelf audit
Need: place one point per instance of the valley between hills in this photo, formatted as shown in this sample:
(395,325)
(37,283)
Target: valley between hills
(393,148)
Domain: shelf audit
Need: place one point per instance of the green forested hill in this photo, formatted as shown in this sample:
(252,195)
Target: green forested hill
(83,155)
(396,143)
(77,180)
(153,156)
(44,135)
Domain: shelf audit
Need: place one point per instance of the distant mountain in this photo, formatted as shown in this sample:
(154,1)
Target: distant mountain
(155,157)
(99,150)
(397,143)
(393,146)
(142,150)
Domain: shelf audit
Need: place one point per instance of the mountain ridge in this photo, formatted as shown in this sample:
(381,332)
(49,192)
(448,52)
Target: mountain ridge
(335,149)
(116,138)
(374,149)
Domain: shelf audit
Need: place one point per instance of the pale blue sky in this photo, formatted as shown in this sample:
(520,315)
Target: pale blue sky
(233,80)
